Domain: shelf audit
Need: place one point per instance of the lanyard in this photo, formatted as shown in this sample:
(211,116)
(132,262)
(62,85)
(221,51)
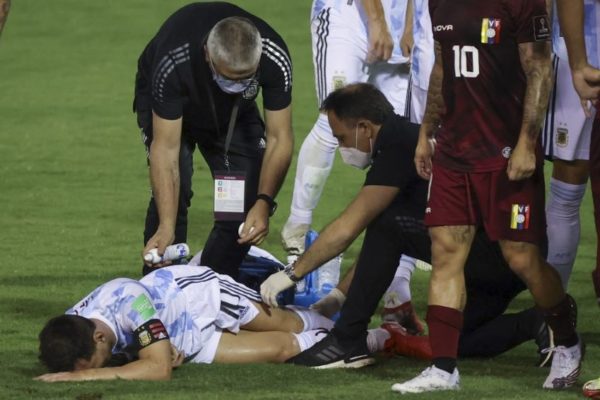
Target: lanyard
(232,120)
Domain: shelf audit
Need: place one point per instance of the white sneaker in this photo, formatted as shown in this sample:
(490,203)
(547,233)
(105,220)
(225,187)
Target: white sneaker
(566,366)
(293,236)
(430,380)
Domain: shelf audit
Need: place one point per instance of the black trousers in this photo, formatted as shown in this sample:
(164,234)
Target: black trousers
(221,251)
(491,286)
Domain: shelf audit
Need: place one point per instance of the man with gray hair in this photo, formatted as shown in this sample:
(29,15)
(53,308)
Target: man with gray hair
(196,85)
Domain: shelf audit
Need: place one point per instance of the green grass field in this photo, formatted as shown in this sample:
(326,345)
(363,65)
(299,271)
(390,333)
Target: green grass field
(73,193)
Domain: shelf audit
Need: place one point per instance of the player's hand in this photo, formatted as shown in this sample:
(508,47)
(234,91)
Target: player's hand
(177,357)
(423,155)
(380,42)
(407,41)
(521,164)
(330,304)
(273,285)
(57,377)
(256,226)
(586,81)
(161,239)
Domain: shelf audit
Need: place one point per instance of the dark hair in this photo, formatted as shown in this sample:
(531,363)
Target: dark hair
(64,340)
(358,100)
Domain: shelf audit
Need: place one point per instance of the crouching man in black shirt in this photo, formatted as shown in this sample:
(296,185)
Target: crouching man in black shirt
(391,206)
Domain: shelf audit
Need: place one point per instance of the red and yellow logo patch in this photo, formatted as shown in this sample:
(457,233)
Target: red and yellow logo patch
(490,30)
(519,219)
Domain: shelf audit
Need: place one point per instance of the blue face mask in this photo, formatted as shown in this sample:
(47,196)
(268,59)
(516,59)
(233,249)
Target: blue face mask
(230,86)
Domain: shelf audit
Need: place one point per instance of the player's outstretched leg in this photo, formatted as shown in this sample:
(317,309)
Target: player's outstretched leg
(315,161)
(272,346)
(291,319)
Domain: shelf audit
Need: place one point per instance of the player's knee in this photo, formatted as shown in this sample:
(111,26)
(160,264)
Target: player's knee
(287,348)
(445,250)
(523,258)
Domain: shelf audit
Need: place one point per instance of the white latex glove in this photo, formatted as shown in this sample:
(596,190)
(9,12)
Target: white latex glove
(330,304)
(275,284)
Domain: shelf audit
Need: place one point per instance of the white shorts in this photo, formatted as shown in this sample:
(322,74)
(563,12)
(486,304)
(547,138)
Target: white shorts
(416,99)
(215,306)
(339,57)
(566,132)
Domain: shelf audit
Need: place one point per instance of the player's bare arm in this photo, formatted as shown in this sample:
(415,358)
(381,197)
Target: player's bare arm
(431,120)
(536,63)
(586,78)
(407,40)
(339,234)
(154,363)
(4,9)
(278,155)
(381,43)
(164,178)
(334,239)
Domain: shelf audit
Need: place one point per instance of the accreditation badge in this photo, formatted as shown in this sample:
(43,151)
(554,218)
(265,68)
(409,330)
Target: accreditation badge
(230,190)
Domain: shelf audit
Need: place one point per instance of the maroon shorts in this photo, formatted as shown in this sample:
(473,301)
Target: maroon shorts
(509,210)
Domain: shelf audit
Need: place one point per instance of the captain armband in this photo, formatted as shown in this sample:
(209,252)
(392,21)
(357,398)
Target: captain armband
(150,332)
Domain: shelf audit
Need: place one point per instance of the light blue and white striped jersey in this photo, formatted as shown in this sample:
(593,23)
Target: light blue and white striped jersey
(423,55)
(353,12)
(186,299)
(591,31)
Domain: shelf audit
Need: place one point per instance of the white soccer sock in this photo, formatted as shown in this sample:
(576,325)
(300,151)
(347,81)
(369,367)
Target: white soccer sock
(315,161)
(306,340)
(562,215)
(311,318)
(399,291)
(376,339)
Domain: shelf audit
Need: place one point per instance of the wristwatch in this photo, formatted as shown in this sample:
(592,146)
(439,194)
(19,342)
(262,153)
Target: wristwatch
(289,271)
(269,200)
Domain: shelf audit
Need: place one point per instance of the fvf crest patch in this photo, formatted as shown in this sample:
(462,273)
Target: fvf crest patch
(519,218)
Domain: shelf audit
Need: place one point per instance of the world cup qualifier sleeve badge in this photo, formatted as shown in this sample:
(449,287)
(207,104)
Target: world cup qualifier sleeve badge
(519,217)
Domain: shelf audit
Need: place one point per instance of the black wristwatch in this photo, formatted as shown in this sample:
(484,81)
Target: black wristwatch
(269,200)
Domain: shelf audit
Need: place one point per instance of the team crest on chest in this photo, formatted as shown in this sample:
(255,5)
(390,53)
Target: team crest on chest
(251,91)
(490,30)
(562,137)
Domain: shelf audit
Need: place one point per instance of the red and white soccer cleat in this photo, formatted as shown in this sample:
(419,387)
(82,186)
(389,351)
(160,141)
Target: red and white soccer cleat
(591,389)
(405,315)
(401,343)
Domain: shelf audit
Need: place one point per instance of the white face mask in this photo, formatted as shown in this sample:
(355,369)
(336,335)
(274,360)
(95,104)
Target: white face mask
(228,85)
(354,157)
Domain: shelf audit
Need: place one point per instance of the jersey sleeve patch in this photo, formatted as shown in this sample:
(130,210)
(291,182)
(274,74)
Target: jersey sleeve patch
(150,332)
(541,28)
(143,306)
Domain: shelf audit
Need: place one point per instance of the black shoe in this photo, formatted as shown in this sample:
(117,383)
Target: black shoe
(545,343)
(330,353)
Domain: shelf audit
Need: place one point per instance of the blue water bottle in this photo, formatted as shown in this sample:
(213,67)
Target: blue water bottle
(319,282)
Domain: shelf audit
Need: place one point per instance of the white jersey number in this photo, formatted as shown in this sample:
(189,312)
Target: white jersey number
(461,64)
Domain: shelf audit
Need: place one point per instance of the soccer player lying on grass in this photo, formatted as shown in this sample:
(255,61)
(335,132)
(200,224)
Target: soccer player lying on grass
(174,315)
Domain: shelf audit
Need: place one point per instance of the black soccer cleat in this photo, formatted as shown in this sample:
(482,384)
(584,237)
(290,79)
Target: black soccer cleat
(330,353)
